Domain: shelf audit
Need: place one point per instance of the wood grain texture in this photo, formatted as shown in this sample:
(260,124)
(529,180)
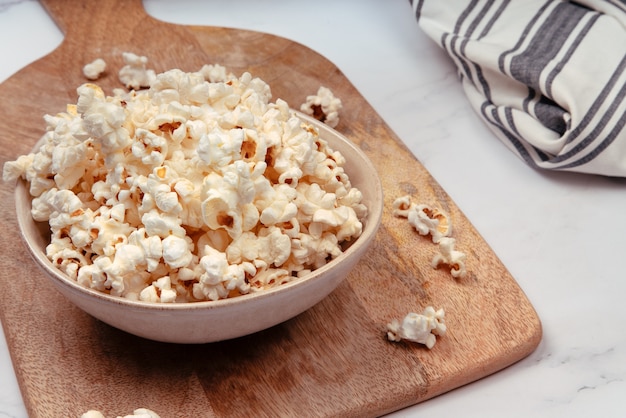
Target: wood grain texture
(332,360)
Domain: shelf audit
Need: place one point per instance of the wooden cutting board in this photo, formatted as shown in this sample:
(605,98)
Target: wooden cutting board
(332,360)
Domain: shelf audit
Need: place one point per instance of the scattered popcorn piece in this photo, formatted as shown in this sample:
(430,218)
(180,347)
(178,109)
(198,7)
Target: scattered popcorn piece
(94,69)
(402,206)
(427,220)
(92,414)
(137,413)
(453,258)
(423,218)
(197,188)
(323,106)
(143,413)
(134,73)
(420,328)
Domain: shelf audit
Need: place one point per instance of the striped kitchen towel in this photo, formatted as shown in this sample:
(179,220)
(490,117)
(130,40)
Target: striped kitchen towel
(547,76)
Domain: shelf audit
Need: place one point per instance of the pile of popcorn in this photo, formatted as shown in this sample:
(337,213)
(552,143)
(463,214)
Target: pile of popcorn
(196,188)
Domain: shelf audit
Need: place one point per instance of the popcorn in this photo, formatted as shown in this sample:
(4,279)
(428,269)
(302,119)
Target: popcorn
(271,246)
(323,106)
(434,222)
(196,188)
(134,74)
(279,206)
(177,251)
(143,413)
(12,170)
(214,73)
(92,414)
(137,413)
(159,291)
(453,258)
(94,69)
(420,328)
(402,206)
(219,277)
(423,218)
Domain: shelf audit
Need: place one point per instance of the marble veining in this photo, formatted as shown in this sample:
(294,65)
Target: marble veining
(560,235)
(7,4)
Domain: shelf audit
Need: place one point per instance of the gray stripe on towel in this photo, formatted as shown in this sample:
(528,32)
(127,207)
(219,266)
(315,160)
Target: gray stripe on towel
(545,44)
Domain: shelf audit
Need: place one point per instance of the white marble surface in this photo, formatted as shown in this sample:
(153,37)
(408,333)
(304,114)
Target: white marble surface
(562,236)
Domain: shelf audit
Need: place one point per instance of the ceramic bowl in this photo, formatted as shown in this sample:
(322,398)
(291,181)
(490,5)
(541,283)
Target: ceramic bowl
(203,322)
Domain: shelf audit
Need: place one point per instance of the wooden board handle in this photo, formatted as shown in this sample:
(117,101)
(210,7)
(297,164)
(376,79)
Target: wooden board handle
(116,18)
